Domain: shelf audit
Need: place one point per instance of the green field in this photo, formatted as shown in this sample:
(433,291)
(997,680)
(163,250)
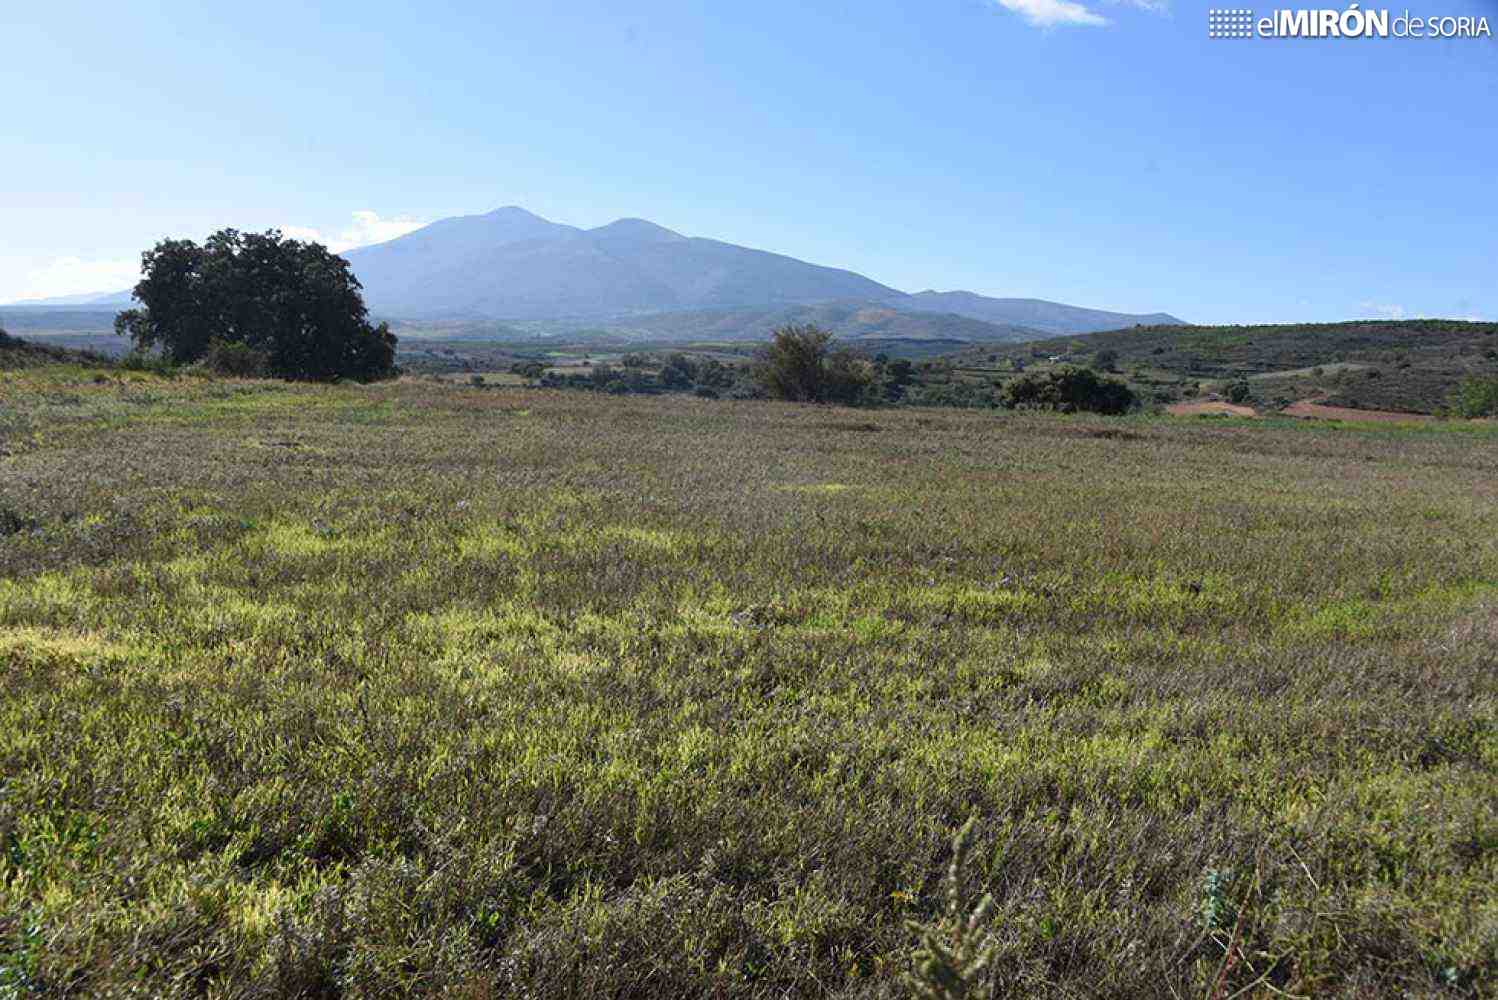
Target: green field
(419,688)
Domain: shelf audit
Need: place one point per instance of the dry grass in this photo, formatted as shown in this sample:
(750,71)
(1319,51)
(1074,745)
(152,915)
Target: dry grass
(421,689)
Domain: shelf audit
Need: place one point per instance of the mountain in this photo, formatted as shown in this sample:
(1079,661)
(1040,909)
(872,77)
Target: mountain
(86,319)
(1039,314)
(513,265)
(100,299)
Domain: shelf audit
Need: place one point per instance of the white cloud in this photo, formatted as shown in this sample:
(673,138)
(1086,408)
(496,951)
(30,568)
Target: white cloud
(1383,311)
(304,233)
(1051,13)
(367,227)
(60,276)
(26,278)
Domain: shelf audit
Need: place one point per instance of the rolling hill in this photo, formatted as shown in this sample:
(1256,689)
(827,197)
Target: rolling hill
(848,320)
(1037,314)
(17,353)
(1401,365)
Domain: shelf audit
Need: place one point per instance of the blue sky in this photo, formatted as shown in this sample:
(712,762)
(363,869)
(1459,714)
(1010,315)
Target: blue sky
(1100,152)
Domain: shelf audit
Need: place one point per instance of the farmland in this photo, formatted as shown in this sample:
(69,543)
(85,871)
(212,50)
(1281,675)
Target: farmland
(428,688)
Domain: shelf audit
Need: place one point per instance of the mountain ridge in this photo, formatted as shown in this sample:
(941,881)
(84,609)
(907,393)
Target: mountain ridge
(536,269)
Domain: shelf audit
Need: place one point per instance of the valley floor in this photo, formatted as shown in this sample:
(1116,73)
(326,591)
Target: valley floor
(428,689)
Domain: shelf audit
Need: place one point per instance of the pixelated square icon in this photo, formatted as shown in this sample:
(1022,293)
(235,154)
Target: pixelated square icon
(1230,22)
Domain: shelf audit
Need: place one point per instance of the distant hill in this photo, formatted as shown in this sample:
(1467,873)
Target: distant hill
(848,320)
(57,319)
(514,266)
(1404,365)
(1035,314)
(98,299)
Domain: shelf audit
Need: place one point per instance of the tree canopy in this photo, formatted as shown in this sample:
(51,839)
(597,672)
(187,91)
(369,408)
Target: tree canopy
(296,303)
(801,364)
(1068,389)
(1476,397)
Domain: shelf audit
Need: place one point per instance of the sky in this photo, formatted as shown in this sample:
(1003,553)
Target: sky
(1104,153)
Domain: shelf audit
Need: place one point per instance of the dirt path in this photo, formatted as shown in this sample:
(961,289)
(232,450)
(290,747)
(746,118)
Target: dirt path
(1307,408)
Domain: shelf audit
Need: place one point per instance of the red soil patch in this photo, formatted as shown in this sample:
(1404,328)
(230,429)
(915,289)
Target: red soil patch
(1210,406)
(1305,408)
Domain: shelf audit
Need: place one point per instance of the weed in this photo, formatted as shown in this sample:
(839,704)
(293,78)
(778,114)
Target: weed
(955,952)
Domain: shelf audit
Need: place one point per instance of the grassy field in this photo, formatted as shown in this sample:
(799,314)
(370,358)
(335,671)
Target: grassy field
(428,689)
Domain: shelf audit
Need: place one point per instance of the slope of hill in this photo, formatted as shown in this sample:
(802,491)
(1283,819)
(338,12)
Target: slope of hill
(848,320)
(1405,365)
(1038,314)
(16,353)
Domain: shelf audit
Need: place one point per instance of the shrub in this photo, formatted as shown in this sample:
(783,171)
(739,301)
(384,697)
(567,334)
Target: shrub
(1239,392)
(13,522)
(968,395)
(1068,389)
(1475,397)
(679,372)
(224,357)
(1105,360)
(955,952)
(144,360)
(602,375)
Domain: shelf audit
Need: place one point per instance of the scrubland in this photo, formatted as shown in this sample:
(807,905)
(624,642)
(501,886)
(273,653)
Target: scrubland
(439,690)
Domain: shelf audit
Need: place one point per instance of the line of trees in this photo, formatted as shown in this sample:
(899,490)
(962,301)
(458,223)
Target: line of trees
(257,303)
(803,364)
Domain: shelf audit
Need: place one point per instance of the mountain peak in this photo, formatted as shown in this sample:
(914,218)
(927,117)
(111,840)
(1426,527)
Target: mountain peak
(513,212)
(632,228)
(511,264)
